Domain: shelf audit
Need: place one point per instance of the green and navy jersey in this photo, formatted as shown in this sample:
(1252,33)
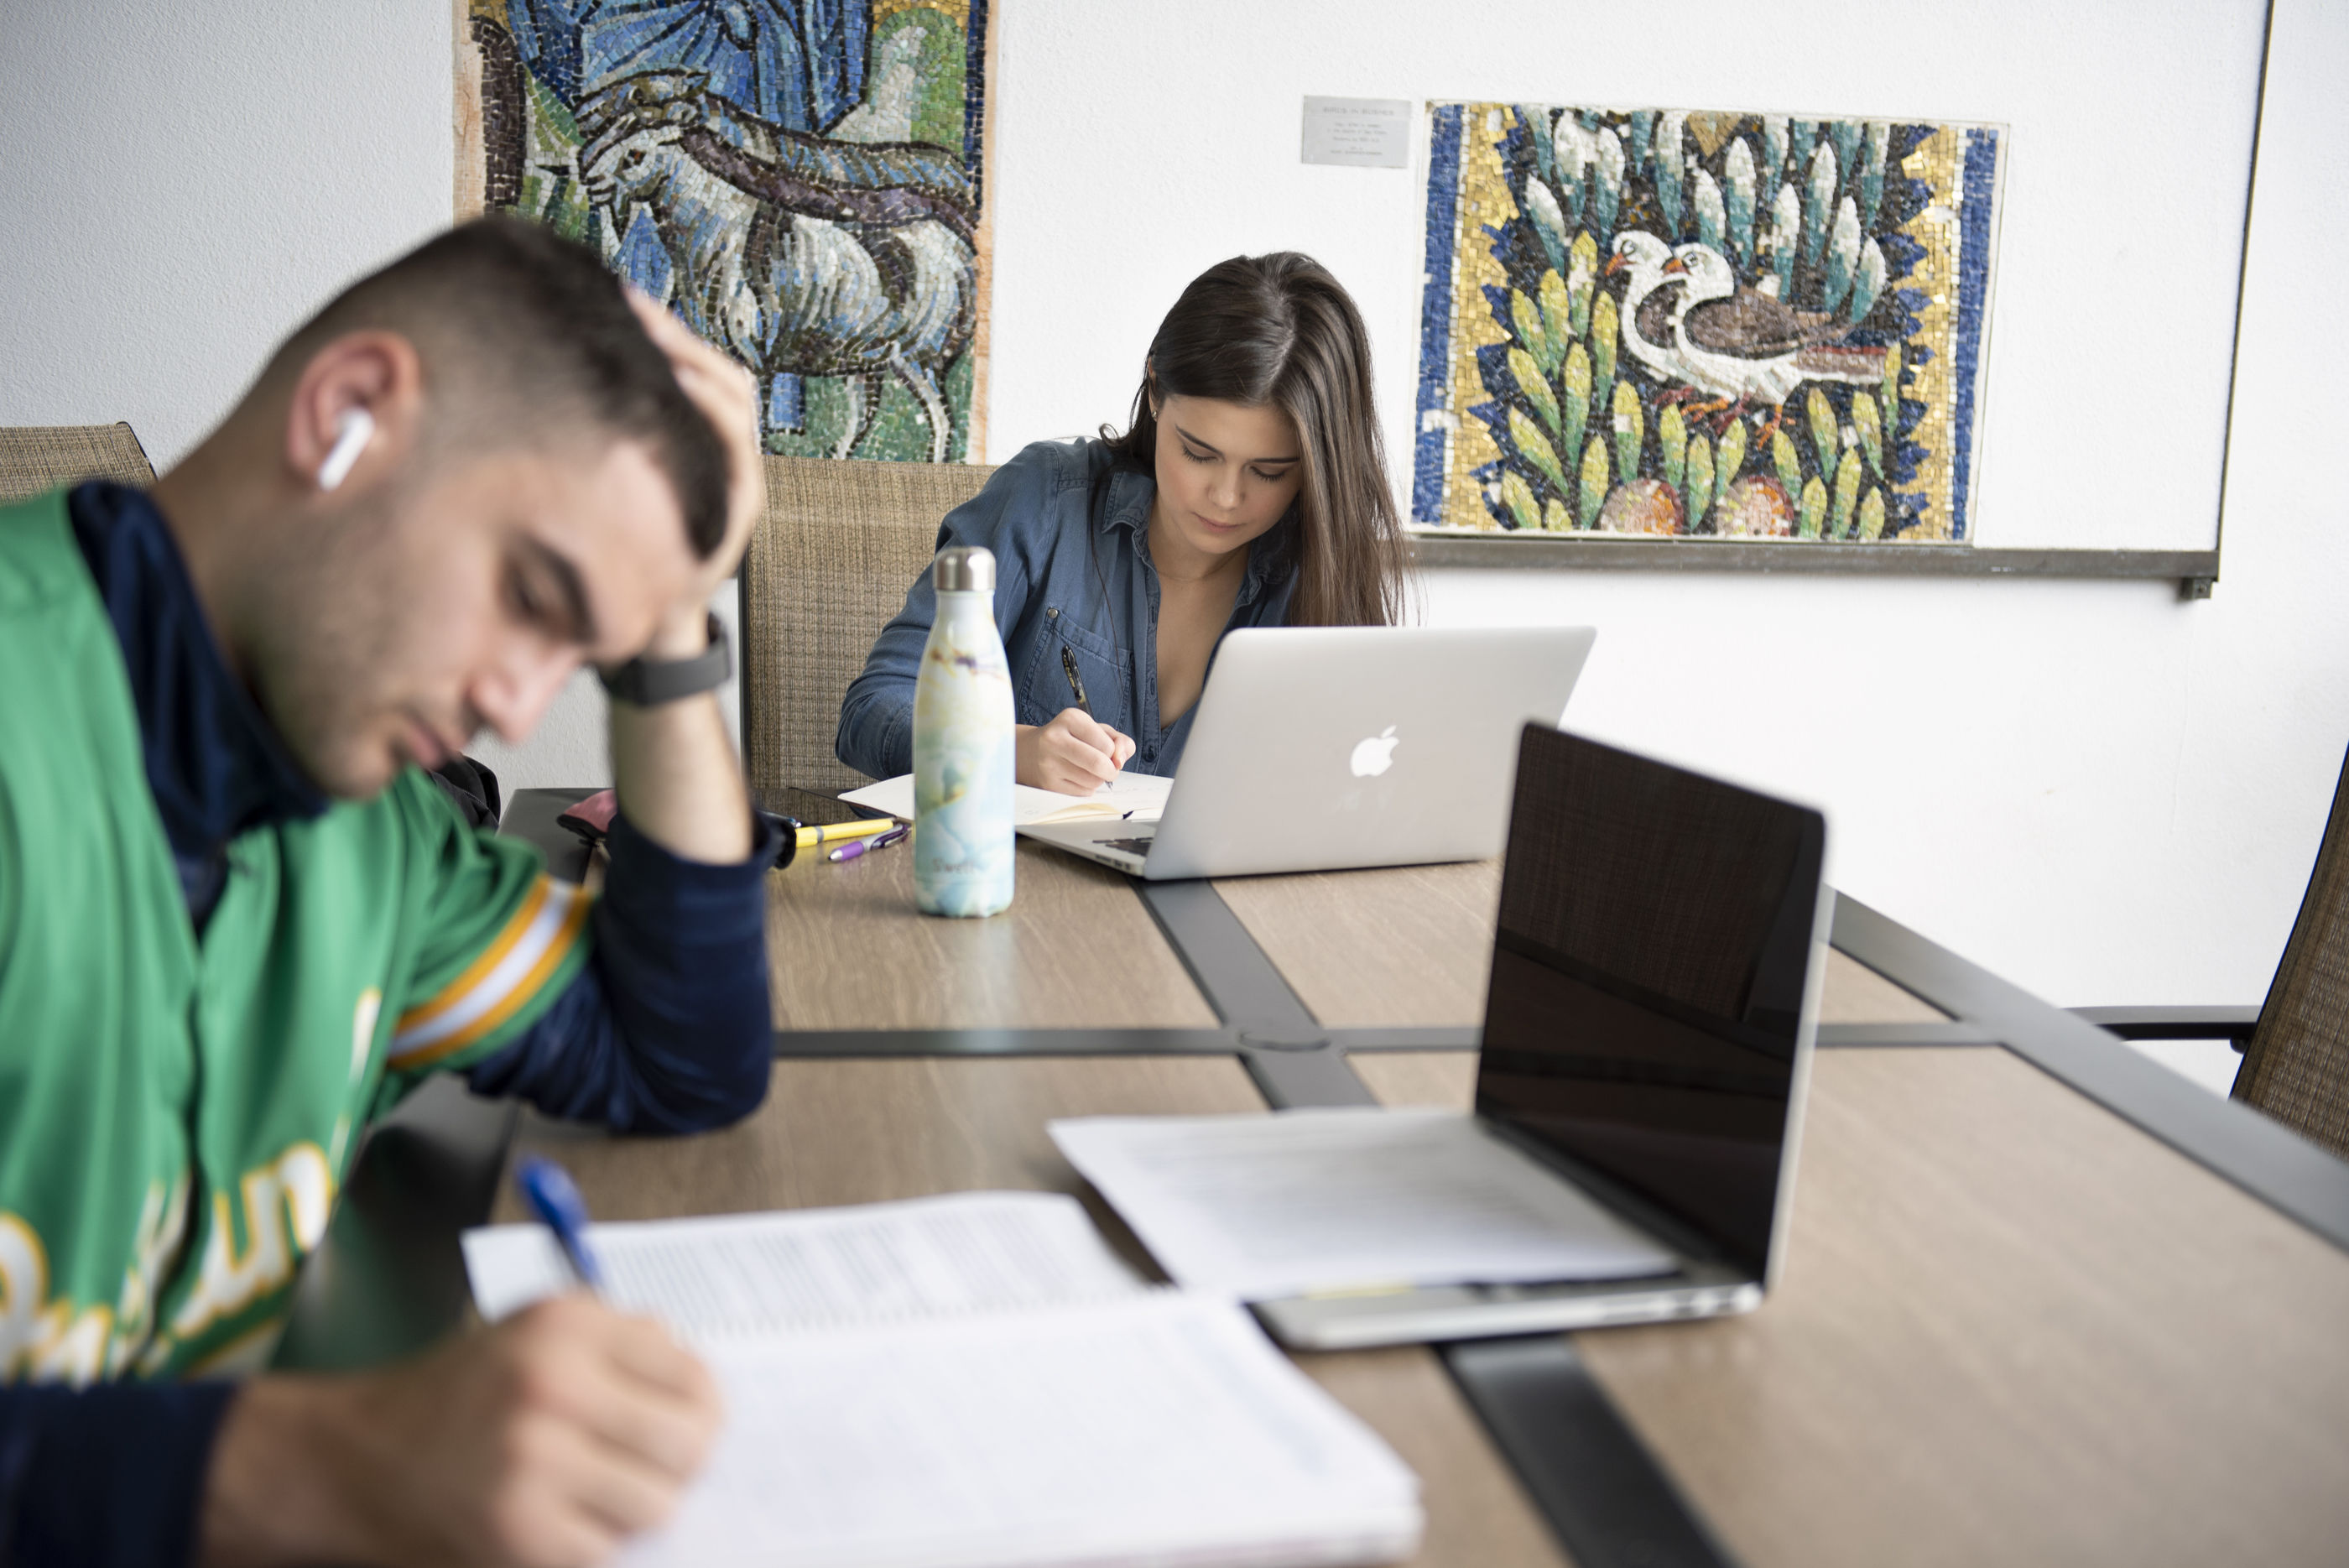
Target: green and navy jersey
(178,1110)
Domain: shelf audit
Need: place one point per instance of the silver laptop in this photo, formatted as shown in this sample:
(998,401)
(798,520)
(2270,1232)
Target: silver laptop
(1648,1035)
(1321,748)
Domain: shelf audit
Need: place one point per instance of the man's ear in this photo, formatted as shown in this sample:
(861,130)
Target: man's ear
(376,372)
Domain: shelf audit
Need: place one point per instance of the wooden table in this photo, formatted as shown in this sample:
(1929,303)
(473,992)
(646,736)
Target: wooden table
(2015,1326)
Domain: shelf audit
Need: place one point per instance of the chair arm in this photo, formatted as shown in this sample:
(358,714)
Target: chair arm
(2233,1024)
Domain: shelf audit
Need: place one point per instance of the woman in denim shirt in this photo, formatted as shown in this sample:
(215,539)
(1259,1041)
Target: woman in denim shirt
(1249,489)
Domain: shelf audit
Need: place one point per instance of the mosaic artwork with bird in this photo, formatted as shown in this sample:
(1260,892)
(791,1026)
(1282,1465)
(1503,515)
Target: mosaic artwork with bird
(1681,323)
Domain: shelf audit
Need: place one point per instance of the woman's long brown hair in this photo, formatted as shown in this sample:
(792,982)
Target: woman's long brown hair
(1278,330)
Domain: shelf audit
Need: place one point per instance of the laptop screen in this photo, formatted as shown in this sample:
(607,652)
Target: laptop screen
(1647,976)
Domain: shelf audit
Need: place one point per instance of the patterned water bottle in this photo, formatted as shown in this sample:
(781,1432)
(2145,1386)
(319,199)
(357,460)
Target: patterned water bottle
(963,739)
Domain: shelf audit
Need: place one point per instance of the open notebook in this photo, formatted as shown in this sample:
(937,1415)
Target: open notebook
(1135,797)
(974,1381)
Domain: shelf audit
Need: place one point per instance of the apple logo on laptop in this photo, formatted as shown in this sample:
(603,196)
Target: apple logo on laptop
(1375,755)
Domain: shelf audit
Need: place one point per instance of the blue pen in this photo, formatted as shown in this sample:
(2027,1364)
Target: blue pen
(547,1188)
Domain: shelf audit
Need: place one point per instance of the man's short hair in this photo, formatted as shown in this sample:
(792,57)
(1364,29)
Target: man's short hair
(526,335)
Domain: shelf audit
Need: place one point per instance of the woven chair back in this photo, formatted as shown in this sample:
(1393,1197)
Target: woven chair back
(2296,1067)
(829,564)
(35,458)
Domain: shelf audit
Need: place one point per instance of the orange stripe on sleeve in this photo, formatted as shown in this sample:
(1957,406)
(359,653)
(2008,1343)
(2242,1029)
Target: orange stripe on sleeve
(453,992)
(574,922)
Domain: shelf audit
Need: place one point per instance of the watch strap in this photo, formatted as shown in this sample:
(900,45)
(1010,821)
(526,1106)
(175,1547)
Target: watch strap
(649,682)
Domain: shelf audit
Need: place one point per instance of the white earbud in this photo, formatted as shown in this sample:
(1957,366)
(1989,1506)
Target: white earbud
(353,431)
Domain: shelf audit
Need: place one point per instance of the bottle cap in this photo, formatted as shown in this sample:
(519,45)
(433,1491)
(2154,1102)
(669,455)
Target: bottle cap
(965,569)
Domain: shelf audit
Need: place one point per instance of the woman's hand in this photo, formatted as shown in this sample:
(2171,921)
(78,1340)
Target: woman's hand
(1071,754)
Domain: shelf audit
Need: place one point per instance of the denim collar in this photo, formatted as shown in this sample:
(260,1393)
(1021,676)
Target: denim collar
(215,764)
(1125,503)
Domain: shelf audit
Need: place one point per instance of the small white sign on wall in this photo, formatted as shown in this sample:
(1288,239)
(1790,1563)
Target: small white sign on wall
(1358,132)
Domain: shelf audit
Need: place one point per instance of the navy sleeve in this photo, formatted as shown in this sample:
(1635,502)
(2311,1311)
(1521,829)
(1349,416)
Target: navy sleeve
(110,1477)
(669,1028)
(1007,517)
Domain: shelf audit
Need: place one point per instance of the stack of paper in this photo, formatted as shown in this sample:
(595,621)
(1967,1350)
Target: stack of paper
(1136,797)
(975,1382)
(1268,1207)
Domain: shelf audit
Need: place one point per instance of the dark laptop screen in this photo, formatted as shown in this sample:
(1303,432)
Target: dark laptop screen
(1648,979)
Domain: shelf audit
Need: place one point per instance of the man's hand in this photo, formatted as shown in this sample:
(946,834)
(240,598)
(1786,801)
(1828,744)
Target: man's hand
(729,397)
(1072,753)
(546,1441)
(674,765)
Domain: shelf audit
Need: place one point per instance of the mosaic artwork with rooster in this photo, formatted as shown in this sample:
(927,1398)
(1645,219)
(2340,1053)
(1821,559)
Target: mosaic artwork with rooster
(1678,322)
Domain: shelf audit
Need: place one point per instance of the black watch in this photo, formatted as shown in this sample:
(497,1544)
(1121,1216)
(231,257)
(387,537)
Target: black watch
(649,682)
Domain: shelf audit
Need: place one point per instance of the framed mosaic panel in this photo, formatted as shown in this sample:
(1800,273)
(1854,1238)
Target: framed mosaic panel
(802,181)
(1702,324)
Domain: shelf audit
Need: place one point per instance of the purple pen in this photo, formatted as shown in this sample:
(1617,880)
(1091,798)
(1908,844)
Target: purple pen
(856,847)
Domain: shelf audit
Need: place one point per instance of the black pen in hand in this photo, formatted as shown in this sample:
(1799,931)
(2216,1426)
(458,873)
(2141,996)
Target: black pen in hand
(1076,681)
(1077,690)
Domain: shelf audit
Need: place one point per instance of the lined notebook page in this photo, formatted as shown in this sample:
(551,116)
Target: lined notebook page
(1138,797)
(740,1274)
(1159,1428)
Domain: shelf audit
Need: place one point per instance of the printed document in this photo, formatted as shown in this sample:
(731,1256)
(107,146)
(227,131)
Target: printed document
(1157,1428)
(976,1381)
(1263,1206)
(725,1276)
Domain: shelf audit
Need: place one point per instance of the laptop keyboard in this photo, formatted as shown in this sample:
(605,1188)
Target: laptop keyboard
(1131,845)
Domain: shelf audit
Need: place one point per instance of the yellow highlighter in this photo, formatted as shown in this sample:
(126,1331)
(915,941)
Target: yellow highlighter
(809,838)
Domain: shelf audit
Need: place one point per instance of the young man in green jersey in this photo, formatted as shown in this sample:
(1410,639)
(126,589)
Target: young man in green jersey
(236,919)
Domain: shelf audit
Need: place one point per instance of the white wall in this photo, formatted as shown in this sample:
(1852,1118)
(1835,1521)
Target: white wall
(2104,793)
(180,185)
